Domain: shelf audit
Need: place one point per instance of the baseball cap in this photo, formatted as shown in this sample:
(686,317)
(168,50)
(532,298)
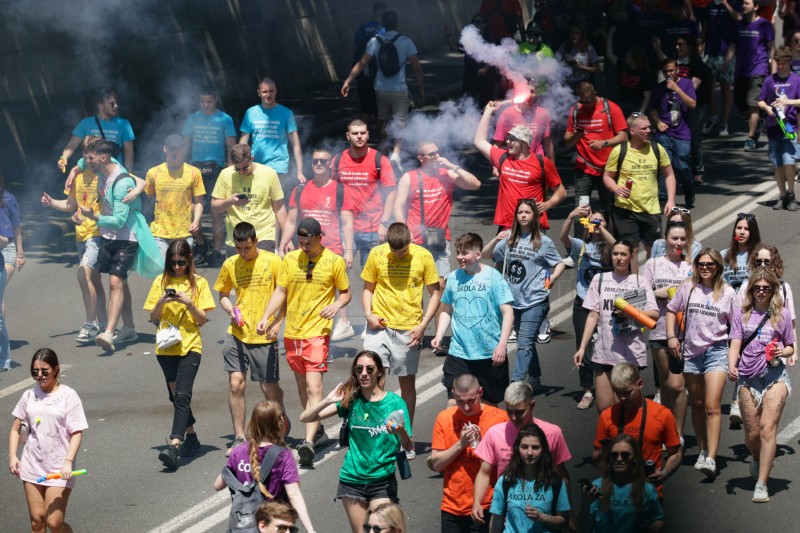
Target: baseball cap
(309,227)
(522,133)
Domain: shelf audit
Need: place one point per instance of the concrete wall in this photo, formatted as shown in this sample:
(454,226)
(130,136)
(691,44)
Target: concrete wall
(53,53)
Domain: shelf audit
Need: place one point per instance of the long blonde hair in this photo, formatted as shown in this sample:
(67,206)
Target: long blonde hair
(266,424)
(718,283)
(775,302)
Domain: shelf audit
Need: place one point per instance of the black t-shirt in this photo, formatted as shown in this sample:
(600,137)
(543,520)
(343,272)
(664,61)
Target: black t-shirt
(633,84)
(697,69)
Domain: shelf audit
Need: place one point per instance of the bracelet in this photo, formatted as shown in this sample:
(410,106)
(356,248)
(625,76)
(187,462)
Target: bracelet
(672,337)
(20,256)
(65,460)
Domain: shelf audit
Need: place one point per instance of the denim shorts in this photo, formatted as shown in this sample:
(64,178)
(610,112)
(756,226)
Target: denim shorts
(759,384)
(366,492)
(10,253)
(88,250)
(715,359)
(783,152)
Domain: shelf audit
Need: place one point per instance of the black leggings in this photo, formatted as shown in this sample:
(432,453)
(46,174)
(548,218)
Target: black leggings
(579,316)
(181,370)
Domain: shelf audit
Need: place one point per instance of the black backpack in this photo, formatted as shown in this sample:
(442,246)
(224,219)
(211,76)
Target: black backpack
(245,499)
(388,58)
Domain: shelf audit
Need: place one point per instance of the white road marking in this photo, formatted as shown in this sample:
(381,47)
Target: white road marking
(24,384)
(789,432)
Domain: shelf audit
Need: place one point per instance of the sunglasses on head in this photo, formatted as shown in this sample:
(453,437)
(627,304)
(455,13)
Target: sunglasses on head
(43,371)
(179,263)
(625,456)
(370,369)
(746,216)
(321,161)
(680,210)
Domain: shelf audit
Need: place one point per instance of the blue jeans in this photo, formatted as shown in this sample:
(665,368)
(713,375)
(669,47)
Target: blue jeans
(527,323)
(680,154)
(5,345)
(365,241)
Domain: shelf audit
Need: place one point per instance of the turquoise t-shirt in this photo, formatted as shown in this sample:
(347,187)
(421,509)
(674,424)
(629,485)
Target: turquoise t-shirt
(371,456)
(623,515)
(269,131)
(476,304)
(208,133)
(520,495)
(117,129)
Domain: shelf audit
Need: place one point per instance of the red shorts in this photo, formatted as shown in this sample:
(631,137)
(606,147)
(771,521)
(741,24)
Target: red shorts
(307,355)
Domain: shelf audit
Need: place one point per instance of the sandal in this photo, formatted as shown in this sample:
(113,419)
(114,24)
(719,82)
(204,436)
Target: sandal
(586,402)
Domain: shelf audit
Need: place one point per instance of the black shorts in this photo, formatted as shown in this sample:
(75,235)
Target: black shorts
(116,257)
(599,368)
(675,365)
(366,492)
(209,170)
(637,227)
(746,91)
(493,379)
(463,524)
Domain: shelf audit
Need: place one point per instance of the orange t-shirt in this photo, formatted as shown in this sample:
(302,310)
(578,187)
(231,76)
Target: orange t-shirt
(659,430)
(460,474)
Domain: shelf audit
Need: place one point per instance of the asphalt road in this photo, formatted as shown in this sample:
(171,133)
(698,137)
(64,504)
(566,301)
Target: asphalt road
(129,416)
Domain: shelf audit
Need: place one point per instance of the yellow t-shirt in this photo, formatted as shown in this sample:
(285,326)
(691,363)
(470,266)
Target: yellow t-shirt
(399,284)
(262,186)
(174,193)
(640,166)
(178,315)
(254,282)
(84,187)
(306,298)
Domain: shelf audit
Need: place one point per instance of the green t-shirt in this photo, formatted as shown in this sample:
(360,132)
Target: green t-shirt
(371,456)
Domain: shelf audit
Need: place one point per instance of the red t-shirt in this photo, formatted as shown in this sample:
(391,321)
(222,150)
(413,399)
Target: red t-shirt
(521,179)
(594,124)
(320,203)
(536,119)
(438,202)
(362,194)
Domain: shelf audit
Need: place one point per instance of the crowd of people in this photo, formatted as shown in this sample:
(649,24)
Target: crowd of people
(284,271)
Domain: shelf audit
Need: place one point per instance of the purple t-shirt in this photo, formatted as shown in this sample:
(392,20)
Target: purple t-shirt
(753,360)
(284,471)
(706,320)
(773,86)
(720,27)
(752,47)
(660,272)
(666,101)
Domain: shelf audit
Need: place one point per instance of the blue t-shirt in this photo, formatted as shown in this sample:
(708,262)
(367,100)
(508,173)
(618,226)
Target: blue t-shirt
(520,495)
(208,133)
(405,49)
(622,515)
(9,215)
(525,269)
(116,130)
(659,249)
(589,264)
(269,131)
(477,320)
(736,277)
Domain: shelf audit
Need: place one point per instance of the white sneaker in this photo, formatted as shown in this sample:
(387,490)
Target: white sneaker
(87,333)
(723,131)
(126,335)
(568,261)
(364,333)
(513,336)
(709,468)
(710,124)
(761,494)
(701,460)
(735,418)
(657,397)
(342,330)
(544,336)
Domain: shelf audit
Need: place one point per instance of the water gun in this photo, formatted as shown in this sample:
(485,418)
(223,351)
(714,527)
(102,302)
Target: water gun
(237,316)
(591,225)
(783,124)
(636,314)
(394,420)
(57,475)
(547,280)
(769,350)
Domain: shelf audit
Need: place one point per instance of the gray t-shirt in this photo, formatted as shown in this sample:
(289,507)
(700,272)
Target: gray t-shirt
(525,269)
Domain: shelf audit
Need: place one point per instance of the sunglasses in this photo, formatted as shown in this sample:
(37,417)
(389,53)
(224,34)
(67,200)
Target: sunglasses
(511,139)
(710,265)
(372,529)
(762,288)
(310,270)
(43,371)
(370,369)
(179,263)
(762,262)
(625,456)
(287,529)
(680,210)
(746,216)
(431,154)
(321,161)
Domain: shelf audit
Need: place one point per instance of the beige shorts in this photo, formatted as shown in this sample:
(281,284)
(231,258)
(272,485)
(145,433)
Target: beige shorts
(392,104)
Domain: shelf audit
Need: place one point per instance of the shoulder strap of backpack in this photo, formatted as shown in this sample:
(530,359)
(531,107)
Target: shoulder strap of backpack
(380,40)
(378,157)
(99,127)
(339,197)
(575,116)
(607,111)
(269,461)
(336,160)
(394,39)
(502,160)
(623,151)
(230,479)
(544,175)
(421,201)
(298,193)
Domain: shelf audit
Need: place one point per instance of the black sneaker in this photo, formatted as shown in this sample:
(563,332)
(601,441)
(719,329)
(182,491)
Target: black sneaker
(169,456)
(320,436)
(214,259)
(306,453)
(199,253)
(190,446)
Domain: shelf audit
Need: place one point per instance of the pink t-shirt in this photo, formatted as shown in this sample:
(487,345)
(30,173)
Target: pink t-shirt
(753,360)
(617,346)
(496,446)
(536,119)
(660,272)
(785,292)
(52,419)
(706,320)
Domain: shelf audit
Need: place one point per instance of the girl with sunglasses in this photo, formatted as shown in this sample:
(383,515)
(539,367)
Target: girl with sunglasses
(707,304)
(678,214)
(766,255)
(635,507)
(761,335)
(367,478)
(386,518)
(619,338)
(745,236)
(530,495)
(51,417)
(591,255)
(665,273)
(529,260)
(180,298)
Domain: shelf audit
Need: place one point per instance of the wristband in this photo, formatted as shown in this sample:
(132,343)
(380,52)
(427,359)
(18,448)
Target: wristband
(65,460)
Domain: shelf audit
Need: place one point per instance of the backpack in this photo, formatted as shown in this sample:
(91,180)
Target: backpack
(246,498)
(338,159)
(541,165)
(623,151)
(607,111)
(388,58)
(298,193)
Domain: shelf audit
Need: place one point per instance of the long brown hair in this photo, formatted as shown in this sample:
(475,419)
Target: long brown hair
(49,357)
(181,248)
(351,387)
(755,238)
(775,302)
(266,424)
(637,478)
(536,230)
(776,262)
(546,474)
